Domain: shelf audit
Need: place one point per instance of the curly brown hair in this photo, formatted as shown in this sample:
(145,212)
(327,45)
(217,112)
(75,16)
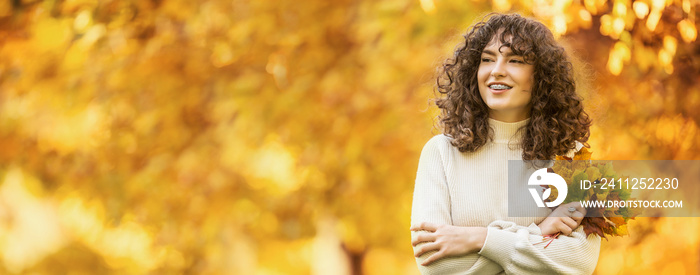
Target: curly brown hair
(557,118)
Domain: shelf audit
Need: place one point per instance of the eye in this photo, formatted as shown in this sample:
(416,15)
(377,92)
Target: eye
(520,61)
(485,59)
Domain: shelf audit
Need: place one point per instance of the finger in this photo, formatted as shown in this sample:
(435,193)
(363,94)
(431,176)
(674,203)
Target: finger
(423,237)
(564,229)
(579,207)
(578,217)
(426,248)
(570,222)
(424,226)
(433,258)
(561,211)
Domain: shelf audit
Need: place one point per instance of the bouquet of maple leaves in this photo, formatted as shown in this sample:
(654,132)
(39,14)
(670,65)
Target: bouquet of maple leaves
(600,221)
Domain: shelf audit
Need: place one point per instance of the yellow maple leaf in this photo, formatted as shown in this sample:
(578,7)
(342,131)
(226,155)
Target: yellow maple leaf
(619,221)
(593,173)
(583,154)
(621,230)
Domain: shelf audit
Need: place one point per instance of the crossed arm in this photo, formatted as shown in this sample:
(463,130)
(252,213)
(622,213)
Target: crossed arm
(449,240)
(504,246)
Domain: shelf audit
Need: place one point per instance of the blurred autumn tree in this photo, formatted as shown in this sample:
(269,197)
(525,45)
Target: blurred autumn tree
(241,137)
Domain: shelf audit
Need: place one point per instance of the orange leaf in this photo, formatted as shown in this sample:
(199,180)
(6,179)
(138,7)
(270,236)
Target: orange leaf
(618,220)
(583,154)
(593,225)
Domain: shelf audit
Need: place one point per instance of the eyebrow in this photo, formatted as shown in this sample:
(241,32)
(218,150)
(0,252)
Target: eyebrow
(509,53)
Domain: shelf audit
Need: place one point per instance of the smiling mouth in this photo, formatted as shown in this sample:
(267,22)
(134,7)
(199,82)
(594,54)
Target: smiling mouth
(499,87)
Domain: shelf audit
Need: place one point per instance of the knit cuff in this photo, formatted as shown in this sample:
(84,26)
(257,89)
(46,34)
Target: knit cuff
(499,246)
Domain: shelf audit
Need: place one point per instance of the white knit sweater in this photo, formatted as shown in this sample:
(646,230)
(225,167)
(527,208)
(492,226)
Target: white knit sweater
(470,189)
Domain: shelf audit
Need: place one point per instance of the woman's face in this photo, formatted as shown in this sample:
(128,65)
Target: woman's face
(505,82)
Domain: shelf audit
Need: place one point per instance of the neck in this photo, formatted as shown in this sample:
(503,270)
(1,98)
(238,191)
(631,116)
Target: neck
(505,116)
(507,132)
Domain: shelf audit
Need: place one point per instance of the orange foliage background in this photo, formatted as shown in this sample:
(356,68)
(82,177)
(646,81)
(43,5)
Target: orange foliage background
(282,137)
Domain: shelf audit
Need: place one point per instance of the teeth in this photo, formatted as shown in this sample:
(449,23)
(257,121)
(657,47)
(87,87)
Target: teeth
(499,87)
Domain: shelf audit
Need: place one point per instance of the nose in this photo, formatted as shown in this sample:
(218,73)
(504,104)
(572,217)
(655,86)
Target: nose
(499,69)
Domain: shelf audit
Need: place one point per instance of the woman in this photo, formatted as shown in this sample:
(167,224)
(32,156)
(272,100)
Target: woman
(508,94)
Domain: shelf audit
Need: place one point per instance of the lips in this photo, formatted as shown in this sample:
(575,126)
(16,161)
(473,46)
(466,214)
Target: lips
(498,87)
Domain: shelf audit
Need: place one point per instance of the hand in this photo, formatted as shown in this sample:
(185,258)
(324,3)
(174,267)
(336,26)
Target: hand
(561,220)
(448,240)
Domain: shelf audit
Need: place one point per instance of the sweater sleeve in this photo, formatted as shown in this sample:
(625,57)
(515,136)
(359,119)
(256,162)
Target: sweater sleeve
(519,250)
(431,203)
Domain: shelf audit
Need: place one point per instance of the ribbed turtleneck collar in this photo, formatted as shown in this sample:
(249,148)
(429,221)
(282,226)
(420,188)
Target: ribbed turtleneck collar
(505,132)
